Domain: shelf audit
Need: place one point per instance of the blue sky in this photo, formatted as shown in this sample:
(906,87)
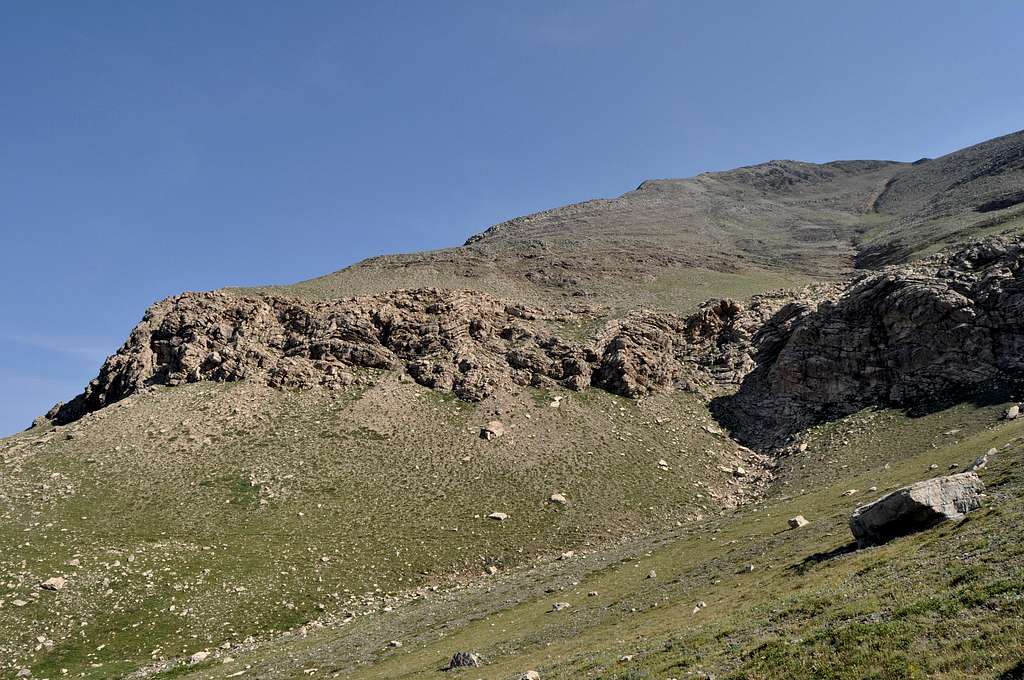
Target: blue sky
(151,148)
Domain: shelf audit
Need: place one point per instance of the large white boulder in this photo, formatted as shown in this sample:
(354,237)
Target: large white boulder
(916,507)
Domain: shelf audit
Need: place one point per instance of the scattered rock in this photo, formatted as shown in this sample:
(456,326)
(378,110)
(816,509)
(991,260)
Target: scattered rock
(982,461)
(559,499)
(464,660)
(797,522)
(395,644)
(739,471)
(567,555)
(849,492)
(530,675)
(652,574)
(199,657)
(560,606)
(491,569)
(916,507)
(498,516)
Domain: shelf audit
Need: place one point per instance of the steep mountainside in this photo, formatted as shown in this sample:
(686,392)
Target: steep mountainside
(569,445)
(675,243)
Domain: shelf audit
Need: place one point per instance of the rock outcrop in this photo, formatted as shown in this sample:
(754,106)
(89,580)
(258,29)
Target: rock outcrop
(464,342)
(916,507)
(467,343)
(464,660)
(949,326)
(712,348)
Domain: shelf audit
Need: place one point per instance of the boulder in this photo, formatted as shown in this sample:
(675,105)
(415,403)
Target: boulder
(916,507)
(530,675)
(558,499)
(797,522)
(464,660)
(1013,412)
(55,583)
(498,516)
(492,430)
(199,657)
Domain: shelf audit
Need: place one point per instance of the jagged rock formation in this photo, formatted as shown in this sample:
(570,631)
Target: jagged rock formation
(467,343)
(949,325)
(459,341)
(712,348)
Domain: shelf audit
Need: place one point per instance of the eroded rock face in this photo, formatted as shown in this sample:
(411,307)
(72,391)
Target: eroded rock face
(459,341)
(916,507)
(467,343)
(716,346)
(950,325)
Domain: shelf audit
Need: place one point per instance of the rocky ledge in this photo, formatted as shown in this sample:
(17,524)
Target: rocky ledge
(946,327)
(460,341)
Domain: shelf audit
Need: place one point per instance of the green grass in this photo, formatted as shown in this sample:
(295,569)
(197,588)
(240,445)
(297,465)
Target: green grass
(945,603)
(211,514)
(683,290)
(227,498)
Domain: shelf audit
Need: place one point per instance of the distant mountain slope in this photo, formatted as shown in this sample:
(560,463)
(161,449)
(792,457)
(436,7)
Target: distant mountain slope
(673,243)
(772,225)
(944,201)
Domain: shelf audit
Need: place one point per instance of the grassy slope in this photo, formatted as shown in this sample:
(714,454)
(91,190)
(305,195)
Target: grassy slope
(208,513)
(946,603)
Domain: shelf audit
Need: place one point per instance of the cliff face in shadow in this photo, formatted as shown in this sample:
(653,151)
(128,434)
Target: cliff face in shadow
(947,328)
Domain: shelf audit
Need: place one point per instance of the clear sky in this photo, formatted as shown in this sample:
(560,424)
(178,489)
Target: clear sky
(147,148)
